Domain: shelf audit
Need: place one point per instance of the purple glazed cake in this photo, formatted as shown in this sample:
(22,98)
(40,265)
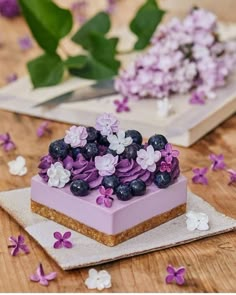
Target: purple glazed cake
(107,183)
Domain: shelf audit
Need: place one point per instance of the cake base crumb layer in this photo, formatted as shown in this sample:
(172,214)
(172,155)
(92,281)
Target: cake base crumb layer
(108,240)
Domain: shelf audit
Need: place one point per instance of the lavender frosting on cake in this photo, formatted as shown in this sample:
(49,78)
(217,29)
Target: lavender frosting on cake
(110,159)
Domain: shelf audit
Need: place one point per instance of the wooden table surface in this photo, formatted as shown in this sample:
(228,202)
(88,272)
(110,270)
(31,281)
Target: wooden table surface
(210,263)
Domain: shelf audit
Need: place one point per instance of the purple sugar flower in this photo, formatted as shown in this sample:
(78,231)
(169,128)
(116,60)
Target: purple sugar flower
(6,142)
(168,153)
(62,240)
(18,244)
(176,275)
(40,276)
(105,197)
(165,167)
(199,176)
(217,162)
(25,43)
(9,8)
(11,78)
(43,129)
(121,106)
(68,163)
(232,174)
(44,165)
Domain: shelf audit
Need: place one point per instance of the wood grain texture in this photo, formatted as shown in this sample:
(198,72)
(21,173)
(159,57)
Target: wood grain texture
(210,263)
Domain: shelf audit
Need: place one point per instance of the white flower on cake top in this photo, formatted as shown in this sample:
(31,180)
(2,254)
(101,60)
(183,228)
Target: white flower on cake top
(17,166)
(197,220)
(98,280)
(106,164)
(147,159)
(58,176)
(118,142)
(76,136)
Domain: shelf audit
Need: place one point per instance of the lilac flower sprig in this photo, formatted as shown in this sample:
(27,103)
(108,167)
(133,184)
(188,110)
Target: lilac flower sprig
(6,142)
(105,197)
(17,245)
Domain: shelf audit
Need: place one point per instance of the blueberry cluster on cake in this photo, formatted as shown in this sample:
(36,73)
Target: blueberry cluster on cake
(108,183)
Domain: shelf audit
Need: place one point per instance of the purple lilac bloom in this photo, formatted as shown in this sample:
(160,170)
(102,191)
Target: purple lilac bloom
(199,175)
(122,105)
(25,43)
(184,56)
(168,153)
(9,8)
(6,142)
(176,275)
(62,240)
(17,245)
(217,162)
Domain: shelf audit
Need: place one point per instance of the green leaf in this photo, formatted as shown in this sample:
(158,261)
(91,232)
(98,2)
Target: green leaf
(93,70)
(145,22)
(46,70)
(76,62)
(100,23)
(48,22)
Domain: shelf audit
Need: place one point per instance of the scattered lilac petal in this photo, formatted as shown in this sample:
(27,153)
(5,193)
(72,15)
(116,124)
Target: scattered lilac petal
(25,43)
(6,142)
(9,8)
(199,176)
(62,240)
(17,245)
(121,106)
(43,129)
(11,78)
(232,174)
(176,275)
(217,162)
(40,276)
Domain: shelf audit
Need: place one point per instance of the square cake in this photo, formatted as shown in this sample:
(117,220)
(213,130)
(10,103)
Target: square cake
(107,184)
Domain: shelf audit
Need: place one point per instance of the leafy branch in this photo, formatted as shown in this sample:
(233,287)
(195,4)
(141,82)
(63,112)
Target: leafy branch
(49,24)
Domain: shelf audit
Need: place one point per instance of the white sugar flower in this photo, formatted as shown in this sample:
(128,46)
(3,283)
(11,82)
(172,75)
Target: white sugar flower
(76,136)
(197,220)
(106,164)
(17,166)
(58,176)
(118,142)
(147,159)
(163,107)
(98,280)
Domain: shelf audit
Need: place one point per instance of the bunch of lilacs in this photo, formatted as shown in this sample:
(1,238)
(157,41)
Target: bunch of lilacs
(185,56)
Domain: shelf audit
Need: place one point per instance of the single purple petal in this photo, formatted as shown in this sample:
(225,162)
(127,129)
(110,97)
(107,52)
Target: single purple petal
(180,271)
(196,170)
(102,190)
(43,281)
(40,271)
(67,235)
(203,170)
(13,239)
(170,269)
(109,191)
(67,244)
(168,159)
(34,278)
(57,235)
(169,278)
(21,239)
(58,245)
(25,249)
(108,202)
(179,279)
(15,251)
(99,200)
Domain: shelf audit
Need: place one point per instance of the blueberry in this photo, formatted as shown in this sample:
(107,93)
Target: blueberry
(131,151)
(111,181)
(162,179)
(90,150)
(123,192)
(75,152)
(138,187)
(102,140)
(92,134)
(112,152)
(135,135)
(79,188)
(58,149)
(158,142)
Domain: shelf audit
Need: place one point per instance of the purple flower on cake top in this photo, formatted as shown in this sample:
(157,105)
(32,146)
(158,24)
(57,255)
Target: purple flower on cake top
(17,245)
(76,136)
(165,166)
(169,153)
(105,197)
(122,105)
(118,142)
(232,174)
(6,142)
(107,124)
(9,8)
(62,240)
(199,176)
(106,164)
(176,275)
(148,158)
(41,277)
(217,162)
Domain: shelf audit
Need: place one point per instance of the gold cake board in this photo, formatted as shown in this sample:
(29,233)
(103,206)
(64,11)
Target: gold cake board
(108,240)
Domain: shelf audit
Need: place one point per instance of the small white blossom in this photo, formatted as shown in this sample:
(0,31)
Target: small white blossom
(106,164)
(118,142)
(58,176)
(17,166)
(197,220)
(163,107)
(98,280)
(76,136)
(147,158)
